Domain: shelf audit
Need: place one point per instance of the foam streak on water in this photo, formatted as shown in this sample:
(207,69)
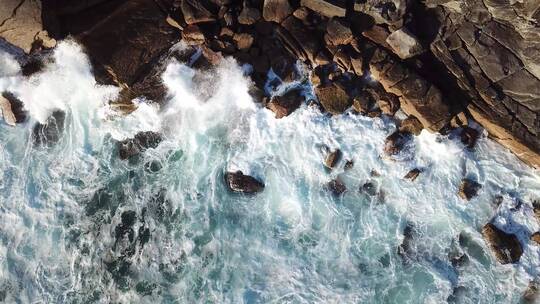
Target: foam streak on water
(186,239)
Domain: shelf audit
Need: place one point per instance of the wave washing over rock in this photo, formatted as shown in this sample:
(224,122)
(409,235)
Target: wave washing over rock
(80,225)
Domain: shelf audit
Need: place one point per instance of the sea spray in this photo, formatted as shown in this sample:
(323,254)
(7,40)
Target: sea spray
(77,224)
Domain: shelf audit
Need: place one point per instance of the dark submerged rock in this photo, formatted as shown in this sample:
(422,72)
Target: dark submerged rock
(395,142)
(468,189)
(469,136)
(286,104)
(336,187)
(238,182)
(413,174)
(505,246)
(49,133)
(332,159)
(141,142)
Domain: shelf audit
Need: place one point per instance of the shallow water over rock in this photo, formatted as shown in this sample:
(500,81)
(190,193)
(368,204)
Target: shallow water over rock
(78,224)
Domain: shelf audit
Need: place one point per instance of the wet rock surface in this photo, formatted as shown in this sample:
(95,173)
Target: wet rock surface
(506,247)
(138,144)
(240,183)
(50,132)
(435,58)
(468,189)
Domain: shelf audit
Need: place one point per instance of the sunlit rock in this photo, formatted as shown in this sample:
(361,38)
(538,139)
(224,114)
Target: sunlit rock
(505,246)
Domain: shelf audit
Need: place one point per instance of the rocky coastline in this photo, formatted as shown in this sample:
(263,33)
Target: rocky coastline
(447,64)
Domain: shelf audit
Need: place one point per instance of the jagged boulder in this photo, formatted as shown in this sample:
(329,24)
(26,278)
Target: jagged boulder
(333,98)
(338,32)
(395,143)
(505,246)
(286,104)
(411,125)
(21,25)
(413,174)
(240,183)
(12,109)
(404,43)
(195,11)
(328,8)
(276,10)
(249,16)
(336,187)
(468,189)
(138,144)
(332,158)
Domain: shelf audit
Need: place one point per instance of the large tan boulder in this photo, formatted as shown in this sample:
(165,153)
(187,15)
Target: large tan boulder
(21,24)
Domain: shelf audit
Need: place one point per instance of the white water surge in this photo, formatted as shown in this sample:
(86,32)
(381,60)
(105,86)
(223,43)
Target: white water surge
(189,240)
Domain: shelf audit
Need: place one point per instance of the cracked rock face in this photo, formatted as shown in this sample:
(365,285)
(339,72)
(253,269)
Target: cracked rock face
(20,24)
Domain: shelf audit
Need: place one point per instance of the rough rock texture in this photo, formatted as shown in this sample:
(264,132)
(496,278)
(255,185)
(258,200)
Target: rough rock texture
(404,44)
(141,142)
(492,50)
(21,25)
(438,60)
(286,104)
(333,98)
(332,159)
(11,109)
(506,247)
(468,189)
(276,10)
(238,182)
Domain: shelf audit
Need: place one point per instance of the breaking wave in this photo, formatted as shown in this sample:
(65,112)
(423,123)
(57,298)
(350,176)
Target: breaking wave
(79,225)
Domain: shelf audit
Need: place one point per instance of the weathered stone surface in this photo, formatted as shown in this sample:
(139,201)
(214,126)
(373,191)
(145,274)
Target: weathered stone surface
(138,144)
(333,98)
(194,12)
(469,136)
(395,142)
(383,11)
(404,44)
(276,10)
(413,174)
(243,41)
(240,183)
(21,24)
(7,112)
(193,35)
(531,295)
(468,189)
(332,158)
(505,137)
(336,187)
(338,32)
(286,104)
(506,247)
(124,44)
(328,8)
(298,39)
(418,97)
(249,16)
(411,125)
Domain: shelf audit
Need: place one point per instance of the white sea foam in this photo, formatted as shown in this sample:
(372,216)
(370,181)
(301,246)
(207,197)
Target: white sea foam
(293,243)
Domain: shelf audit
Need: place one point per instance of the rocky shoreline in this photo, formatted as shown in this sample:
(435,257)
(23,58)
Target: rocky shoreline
(447,63)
